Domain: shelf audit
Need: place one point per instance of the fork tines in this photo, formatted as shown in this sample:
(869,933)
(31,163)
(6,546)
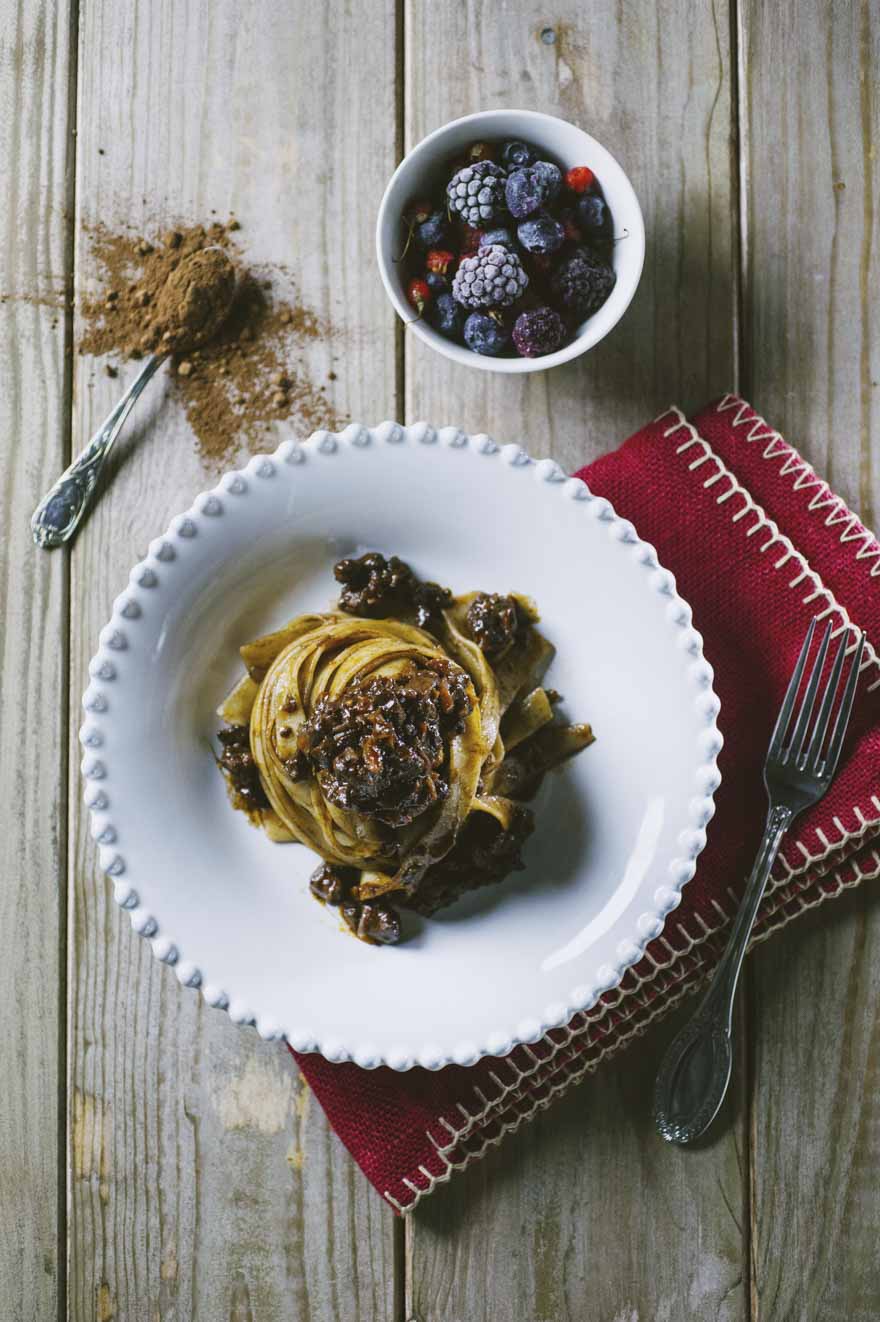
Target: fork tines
(797,740)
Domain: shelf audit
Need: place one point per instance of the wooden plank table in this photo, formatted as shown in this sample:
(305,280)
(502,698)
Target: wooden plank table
(158,1163)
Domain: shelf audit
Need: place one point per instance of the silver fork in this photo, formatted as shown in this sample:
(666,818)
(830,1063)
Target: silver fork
(800,765)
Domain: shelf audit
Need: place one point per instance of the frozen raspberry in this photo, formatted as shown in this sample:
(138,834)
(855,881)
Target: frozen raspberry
(582,282)
(538,331)
(418,293)
(476,193)
(580,179)
(493,278)
(439,261)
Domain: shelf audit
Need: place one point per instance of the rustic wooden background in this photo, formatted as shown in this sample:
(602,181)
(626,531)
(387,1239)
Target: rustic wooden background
(155,1161)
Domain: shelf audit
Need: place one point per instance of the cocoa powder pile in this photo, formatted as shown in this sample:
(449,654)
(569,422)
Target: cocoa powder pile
(162,292)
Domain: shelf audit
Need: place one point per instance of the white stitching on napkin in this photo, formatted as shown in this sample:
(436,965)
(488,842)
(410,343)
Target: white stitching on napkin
(838,510)
(764,523)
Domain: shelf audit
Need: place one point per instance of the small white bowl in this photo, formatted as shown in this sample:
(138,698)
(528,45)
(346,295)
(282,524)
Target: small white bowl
(419,175)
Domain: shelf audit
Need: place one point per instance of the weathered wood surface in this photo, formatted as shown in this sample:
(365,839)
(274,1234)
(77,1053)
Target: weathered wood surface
(202,1182)
(811,122)
(36,149)
(587,1214)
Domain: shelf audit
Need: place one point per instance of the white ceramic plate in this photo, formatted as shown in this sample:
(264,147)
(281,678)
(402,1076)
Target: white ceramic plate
(619,828)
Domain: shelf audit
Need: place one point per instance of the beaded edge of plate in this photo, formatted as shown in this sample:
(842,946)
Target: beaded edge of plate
(147,577)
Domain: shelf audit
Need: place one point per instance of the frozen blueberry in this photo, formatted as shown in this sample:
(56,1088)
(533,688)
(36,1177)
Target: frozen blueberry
(551,176)
(437,283)
(446,316)
(514,155)
(485,334)
(524,193)
(432,232)
(540,234)
(501,237)
(593,216)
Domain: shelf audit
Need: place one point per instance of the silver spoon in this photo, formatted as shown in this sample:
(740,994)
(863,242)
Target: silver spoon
(60,512)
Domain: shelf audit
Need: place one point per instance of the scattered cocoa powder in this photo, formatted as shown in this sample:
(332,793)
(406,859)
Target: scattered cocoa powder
(248,375)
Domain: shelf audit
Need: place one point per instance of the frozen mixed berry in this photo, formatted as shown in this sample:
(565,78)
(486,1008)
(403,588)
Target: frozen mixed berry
(418,293)
(524,192)
(500,237)
(476,193)
(447,316)
(471,239)
(492,278)
(432,231)
(541,234)
(480,151)
(539,331)
(486,334)
(551,176)
(568,221)
(582,282)
(515,155)
(439,260)
(504,218)
(418,212)
(580,179)
(593,216)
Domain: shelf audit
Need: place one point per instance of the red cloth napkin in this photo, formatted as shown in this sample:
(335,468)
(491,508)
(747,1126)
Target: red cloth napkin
(758,544)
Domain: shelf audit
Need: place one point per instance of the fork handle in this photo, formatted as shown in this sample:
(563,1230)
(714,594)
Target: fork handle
(695,1071)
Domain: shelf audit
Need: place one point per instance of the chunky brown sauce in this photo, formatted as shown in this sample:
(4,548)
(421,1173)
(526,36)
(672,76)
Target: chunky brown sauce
(381,748)
(238,764)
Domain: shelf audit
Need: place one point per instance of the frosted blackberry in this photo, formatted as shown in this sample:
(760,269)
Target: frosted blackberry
(582,282)
(492,278)
(538,331)
(476,193)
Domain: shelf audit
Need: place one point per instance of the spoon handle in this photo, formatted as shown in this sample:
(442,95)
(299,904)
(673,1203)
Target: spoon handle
(58,514)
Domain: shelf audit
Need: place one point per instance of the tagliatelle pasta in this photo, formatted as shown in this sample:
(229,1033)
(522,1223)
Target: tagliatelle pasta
(401,752)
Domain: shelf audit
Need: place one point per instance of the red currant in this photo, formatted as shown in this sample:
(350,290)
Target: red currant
(580,178)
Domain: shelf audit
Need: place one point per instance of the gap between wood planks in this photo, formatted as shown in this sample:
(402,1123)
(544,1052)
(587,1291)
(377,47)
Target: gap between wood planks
(66,799)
